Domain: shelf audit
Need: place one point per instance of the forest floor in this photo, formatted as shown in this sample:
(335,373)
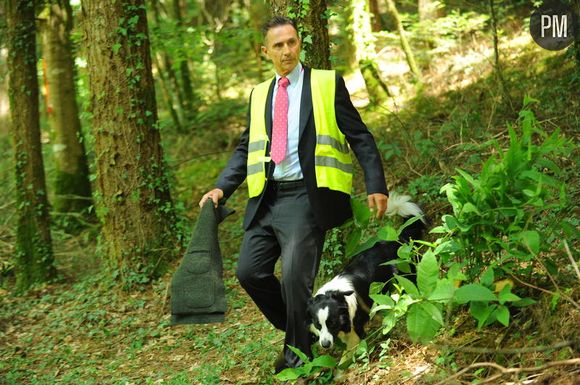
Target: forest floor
(84,330)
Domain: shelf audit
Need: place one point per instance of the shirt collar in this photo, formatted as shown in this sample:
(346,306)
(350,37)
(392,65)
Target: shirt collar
(293,76)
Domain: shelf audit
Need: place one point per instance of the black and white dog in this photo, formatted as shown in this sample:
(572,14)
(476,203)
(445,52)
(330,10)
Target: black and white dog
(340,308)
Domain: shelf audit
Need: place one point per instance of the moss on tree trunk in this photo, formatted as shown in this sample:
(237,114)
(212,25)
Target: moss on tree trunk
(138,234)
(33,258)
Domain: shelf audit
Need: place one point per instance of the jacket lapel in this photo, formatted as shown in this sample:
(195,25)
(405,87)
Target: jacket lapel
(269,109)
(305,101)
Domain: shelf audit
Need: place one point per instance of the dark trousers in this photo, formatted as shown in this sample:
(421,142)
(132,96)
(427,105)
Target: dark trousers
(284,227)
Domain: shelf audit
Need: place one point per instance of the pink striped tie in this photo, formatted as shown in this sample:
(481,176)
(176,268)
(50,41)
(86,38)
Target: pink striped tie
(280,125)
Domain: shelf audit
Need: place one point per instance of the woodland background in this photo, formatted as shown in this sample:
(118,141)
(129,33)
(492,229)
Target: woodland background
(115,118)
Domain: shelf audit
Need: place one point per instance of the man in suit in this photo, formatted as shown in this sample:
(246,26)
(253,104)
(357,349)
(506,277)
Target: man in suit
(297,165)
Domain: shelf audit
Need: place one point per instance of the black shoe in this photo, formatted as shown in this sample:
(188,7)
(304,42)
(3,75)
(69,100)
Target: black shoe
(280,363)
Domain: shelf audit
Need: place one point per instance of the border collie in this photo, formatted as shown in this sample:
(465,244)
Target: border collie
(340,308)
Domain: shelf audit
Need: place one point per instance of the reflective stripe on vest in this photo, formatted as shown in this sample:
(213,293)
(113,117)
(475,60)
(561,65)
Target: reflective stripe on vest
(333,164)
(258,142)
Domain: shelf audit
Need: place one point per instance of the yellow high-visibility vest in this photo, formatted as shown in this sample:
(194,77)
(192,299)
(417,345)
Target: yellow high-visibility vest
(333,164)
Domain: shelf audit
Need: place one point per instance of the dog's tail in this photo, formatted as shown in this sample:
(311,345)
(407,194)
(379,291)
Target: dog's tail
(403,206)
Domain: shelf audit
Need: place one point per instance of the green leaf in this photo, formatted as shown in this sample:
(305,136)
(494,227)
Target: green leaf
(469,208)
(505,295)
(324,361)
(363,246)
(524,302)
(468,178)
(502,314)
(352,241)
(361,212)
(443,291)
(289,374)
(433,311)
(427,273)
(299,353)
(404,252)
(388,233)
(382,299)
(531,239)
(450,222)
(473,292)
(438,230)
(389,322)
(409,286)
(487,277)
(481,311)
(420,324)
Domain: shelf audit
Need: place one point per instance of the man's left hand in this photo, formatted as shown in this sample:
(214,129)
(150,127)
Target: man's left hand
(379,202)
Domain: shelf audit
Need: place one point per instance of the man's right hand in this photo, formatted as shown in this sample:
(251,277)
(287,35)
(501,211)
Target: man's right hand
(215,195)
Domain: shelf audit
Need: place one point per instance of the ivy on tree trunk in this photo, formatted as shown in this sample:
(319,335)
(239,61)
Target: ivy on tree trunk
(33,257)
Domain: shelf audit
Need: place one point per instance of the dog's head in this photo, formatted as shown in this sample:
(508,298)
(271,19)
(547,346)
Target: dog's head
(327,315)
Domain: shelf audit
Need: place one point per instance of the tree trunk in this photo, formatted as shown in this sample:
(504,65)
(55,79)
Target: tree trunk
(364,43)
(576,11)
(33,258)
(312,28)
(138,235)
(315,40)
(404,42)
(377,24)
(71,185)
(280,7)
(190,105)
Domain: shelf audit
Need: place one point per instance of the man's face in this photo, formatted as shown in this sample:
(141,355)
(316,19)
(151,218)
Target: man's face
(282,46)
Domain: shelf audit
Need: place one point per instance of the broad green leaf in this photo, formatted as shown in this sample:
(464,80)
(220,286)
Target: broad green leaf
(473,292)
(389,322)
(487,277)
(433,311)
(420,324)
(409,286)
(481,311)
(376,287)
(443,291)
(505,295)
(324,361)
(363,246)
(289,374)
(450,222)
(382,299)
(438,230)
(362,213)
(531,239)
(502,314)
(388,233)
(427,273)
(404,252)
(352,241)
(469,208)
(299,353)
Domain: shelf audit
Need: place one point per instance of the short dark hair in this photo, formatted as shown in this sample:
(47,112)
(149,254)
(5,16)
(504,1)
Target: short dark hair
(278,21)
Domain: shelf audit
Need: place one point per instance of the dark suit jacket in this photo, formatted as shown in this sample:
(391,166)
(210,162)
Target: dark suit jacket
(331,208)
